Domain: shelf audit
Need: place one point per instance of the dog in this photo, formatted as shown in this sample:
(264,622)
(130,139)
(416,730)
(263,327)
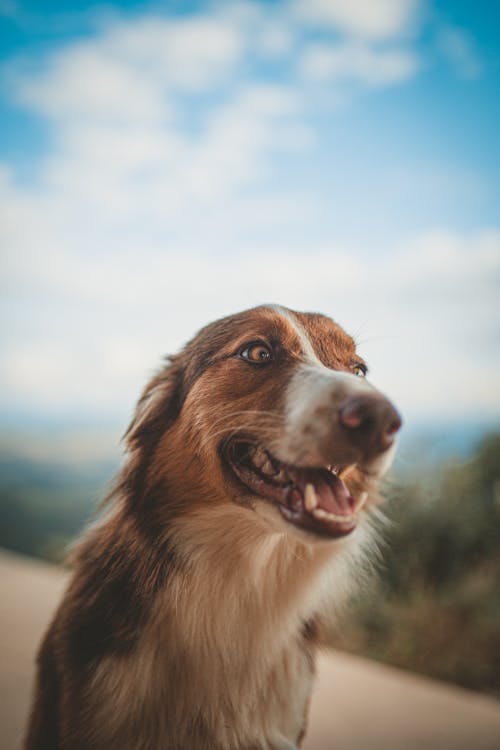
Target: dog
(194,612)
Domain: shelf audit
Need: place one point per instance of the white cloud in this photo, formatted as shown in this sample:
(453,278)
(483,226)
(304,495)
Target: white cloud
(127,143)
(107,318)
(369,19)
(85,83)
(128,148)
(154,213)
(130,71)
(359,62)
(191,53)
(275,40)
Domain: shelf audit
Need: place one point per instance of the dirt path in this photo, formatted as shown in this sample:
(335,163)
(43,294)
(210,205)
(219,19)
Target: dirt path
(357,705)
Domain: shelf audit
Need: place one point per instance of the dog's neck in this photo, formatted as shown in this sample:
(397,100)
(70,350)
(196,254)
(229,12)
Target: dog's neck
(239,560)
(245,605)
(230,627)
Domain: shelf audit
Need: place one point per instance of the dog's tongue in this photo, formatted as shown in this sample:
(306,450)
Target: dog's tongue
(331,493)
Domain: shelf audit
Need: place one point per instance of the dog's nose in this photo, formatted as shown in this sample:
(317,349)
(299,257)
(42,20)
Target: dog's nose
(370,423)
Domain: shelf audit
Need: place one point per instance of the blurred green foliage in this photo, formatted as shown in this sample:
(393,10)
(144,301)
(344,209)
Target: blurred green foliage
(43,506)
(435,605)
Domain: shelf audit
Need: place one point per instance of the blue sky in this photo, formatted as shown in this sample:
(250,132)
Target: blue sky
(162,164)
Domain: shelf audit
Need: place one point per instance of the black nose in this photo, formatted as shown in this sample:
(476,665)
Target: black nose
(370,423)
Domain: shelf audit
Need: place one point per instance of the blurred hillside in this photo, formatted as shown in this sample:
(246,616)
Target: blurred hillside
(51,482)
(42,507)
(432,606)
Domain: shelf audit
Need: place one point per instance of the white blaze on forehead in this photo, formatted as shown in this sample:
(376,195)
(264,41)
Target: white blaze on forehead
(313,389)
(300,331)
(313,396)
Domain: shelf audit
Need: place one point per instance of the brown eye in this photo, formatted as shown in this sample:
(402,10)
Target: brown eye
(360,371)
(257,353)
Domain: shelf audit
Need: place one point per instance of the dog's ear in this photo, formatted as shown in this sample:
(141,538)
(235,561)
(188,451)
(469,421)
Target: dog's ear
(158,406)
(157,409)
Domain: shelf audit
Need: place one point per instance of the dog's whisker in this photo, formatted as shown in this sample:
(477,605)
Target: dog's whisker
(229,432)
(240,427)
(258,417)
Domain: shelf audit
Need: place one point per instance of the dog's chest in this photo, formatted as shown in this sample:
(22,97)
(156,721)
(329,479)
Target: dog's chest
(186,700)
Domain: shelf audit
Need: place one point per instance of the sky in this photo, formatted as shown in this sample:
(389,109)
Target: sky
(164,164)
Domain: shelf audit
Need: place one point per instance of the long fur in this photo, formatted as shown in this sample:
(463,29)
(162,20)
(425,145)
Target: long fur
(192,618)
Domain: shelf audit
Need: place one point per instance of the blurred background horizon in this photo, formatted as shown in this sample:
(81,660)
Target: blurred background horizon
(163,164)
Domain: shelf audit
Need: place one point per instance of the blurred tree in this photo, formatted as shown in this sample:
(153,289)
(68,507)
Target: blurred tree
(436,605)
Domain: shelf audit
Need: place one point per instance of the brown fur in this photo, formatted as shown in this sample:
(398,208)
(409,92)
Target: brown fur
(191,621)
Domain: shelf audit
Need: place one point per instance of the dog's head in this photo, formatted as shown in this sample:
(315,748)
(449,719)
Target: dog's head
(268,409)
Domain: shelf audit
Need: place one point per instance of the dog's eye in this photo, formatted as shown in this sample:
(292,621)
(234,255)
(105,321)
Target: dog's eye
(257,353)
(360,370)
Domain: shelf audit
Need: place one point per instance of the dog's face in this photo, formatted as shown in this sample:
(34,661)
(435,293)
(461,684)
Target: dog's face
(270,409)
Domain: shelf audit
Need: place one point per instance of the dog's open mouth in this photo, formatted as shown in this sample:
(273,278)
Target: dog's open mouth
(315,499)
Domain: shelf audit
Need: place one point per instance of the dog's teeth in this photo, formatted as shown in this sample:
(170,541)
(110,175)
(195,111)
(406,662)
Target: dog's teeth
(267,468)
(259,458)
(310,499)
(320,513)
(324,515)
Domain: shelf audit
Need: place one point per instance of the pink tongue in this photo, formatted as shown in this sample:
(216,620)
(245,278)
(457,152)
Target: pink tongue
(331,492)
(333,495)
